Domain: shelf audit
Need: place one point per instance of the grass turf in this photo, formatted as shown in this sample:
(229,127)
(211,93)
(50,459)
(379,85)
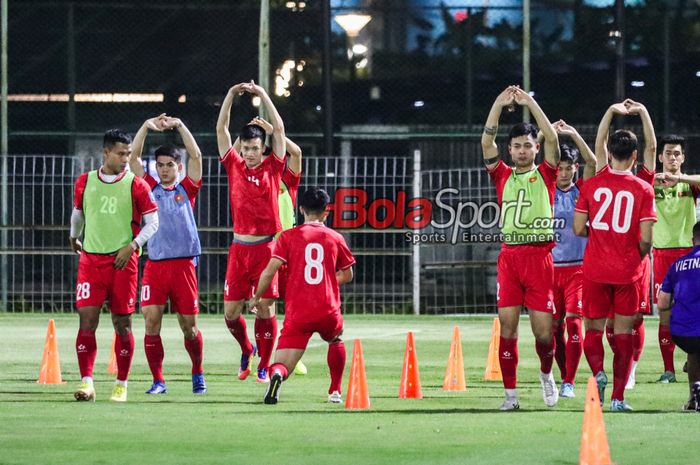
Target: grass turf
(43,424)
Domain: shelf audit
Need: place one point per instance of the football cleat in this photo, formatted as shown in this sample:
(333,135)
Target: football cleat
(667,377)
(619,406)
(335,398)
(199,386)
(273,390)
(262,376)
(244,370)
(158,387)
(118,393)
(550,394)
(85,392)
(510,403)
(601,380)
(567,390)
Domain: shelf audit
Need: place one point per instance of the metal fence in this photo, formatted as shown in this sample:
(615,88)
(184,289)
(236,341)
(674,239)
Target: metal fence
(394,274)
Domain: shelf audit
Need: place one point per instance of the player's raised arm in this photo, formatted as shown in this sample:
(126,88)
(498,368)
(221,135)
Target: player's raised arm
(293,149)
(488,137)
(601,138)
(636,108)
(279,143)
(564,129)
(266,279)
(223,136)
(135,161)
(551,140)
(194,162)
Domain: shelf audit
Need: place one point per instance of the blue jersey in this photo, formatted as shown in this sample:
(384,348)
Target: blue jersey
(177,235)
(569,247)
(682,281)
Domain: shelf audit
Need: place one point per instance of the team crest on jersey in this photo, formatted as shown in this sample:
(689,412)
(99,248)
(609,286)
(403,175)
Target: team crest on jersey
(533,179)
(178,198)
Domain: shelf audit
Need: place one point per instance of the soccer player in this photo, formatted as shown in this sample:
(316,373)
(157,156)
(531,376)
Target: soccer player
(174,250)
(109,204)
(253,194)
(318,261)
(525,268)
(679,296)
(620,207)
(568,257)
(676,195)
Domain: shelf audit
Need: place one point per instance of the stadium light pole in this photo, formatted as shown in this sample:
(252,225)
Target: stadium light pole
(3,155)
(327,81)
(526,55)
(264,51)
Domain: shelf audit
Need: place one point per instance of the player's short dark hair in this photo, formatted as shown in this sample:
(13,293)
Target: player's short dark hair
(115,136)
(696,232)
(252,131)
(621,144)
(315,200)
(169,150)
(522,129)
(569,153)
(673,139)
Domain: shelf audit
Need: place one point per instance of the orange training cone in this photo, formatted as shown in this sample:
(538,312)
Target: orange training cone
(112,367)
(594,441)
(357,394)
(493,367)
(454,374)
(410,378)
(50,371)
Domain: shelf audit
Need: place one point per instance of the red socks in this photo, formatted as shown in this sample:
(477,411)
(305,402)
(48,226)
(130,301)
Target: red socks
(194,348)
(86,347)
(546,354)
(560,347)
(622,362)
(124,350)
(336,365)
(667,347)
(153,345)
(265,336)
(593,348)
(574,348)
(638,334)
(239,331)
(508,359)
(281,368)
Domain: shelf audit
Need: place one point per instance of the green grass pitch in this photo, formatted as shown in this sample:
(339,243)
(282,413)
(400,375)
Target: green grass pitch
(42,424)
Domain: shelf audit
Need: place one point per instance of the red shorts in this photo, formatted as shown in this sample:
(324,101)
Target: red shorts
(643,289)
(525,277)
(568,290)
(602,300)
(296,334)
(246,262)
(663,259)
(177,279)
(99,281)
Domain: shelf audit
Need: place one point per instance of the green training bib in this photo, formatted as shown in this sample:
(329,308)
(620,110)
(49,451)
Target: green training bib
(108,214)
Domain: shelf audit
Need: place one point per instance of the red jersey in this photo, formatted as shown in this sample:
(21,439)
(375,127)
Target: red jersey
(616,203)
(253,194)
(313,253)
(292,181)
(189,185)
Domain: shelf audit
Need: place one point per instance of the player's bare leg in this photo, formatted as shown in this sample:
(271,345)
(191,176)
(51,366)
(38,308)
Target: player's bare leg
(509,318)
(265,336)
(541,324)
(622,358)
(86,348)
(595,352)
(124,351)
(194,345)
(237,327)
(153,346)
(285,361)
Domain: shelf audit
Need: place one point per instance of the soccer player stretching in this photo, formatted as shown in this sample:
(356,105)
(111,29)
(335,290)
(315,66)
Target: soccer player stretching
(253,193)
(568,257)
(620,207)
(318,261)
(173,252)
(525,269)
(110,204)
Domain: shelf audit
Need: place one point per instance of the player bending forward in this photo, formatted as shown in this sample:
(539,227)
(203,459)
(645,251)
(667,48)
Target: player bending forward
(318,261)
